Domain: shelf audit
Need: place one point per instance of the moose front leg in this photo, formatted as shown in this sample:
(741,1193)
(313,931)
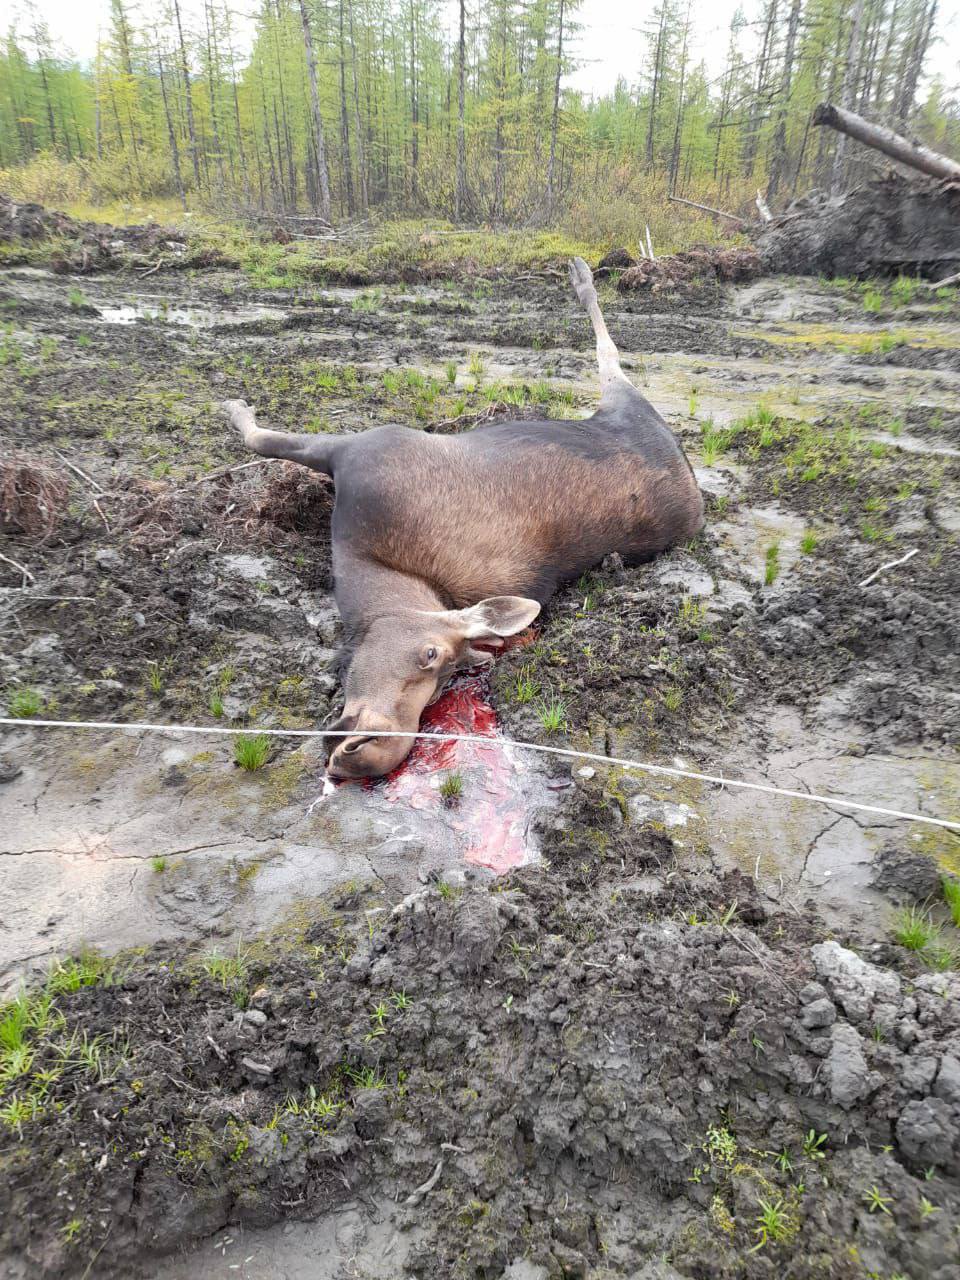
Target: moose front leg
(316,452)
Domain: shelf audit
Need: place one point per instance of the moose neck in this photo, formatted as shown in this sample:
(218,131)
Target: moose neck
(365,590)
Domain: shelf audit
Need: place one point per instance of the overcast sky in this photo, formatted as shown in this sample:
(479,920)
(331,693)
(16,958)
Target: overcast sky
(610,43)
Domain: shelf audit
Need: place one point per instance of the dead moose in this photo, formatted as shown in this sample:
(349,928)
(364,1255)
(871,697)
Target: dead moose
(443,541)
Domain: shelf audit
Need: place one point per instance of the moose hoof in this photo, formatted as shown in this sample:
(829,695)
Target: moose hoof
(581,277)
(239,414)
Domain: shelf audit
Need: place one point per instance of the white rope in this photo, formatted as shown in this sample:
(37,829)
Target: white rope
(667,770)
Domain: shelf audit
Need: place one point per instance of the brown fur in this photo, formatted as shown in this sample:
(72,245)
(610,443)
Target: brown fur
(471,527)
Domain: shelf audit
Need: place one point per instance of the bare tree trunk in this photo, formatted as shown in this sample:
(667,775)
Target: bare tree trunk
(174,149)
(555,118)
(779,160)
(287,197)
(345,161)
(915,62)
(323,177)
(657,81)
(846,95)
(885,61)
(188,99)
(761,93)
(236,108)
(823,141)
(678,127)
(885,140)
(42,47)
(357,126)
(213,75)
(539,57)
(724,106)
(499,192)
(872,35)
(414,110)
(276,183)
(288,140)
(98,123)
(460,192)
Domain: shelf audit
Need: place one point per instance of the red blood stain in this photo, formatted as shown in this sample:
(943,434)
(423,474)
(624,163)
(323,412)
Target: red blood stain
(490,811)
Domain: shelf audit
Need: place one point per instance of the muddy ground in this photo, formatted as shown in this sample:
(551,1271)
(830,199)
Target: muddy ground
(676,1037)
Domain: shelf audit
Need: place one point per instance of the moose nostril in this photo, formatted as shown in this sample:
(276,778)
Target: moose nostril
(354,744)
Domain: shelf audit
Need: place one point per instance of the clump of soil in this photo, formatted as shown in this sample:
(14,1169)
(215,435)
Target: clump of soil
(33,496)
(889,226)
(295,500)
(615,260)
(697,266)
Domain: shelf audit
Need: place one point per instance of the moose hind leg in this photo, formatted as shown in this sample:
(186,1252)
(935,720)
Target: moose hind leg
(316,452)
(612,377)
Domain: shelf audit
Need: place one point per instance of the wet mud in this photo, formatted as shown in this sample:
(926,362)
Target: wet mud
(609,1007)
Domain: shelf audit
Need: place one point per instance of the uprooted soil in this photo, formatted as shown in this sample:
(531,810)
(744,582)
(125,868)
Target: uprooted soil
(888,226)
(619,1052)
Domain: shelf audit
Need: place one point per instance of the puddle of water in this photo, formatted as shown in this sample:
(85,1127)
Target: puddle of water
(749,536)
(190,317)
(914,444)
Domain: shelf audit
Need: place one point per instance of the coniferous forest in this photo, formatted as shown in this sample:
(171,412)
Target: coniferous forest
(342,107)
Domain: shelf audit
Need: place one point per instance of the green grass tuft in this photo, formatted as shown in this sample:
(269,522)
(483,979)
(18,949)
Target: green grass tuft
(25,703)
(771,565)
(915,929)
(775,1224)
(230,971)
(809,542)
(251,751)
(673,698)
(553,715)
(715,442)
(904,290)
(951,896)
(526,686)
(451,788)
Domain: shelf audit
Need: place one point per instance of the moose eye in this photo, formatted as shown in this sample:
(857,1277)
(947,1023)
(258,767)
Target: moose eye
(429,655)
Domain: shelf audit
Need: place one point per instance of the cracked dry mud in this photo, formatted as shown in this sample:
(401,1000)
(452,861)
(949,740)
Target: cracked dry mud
(604,1061)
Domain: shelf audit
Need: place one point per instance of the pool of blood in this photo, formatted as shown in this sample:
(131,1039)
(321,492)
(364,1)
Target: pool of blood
(491,812)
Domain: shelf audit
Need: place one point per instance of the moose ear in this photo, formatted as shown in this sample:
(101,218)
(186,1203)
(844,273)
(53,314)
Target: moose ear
(497,616)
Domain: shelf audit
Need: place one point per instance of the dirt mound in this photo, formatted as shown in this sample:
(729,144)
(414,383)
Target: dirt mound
(696,266)
(589,1099)
(892,225)
(294,500)
(615,260)
(33,496)
(94,246)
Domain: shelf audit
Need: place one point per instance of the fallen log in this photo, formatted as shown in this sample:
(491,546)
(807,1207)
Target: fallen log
(891,144)
(720,213)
